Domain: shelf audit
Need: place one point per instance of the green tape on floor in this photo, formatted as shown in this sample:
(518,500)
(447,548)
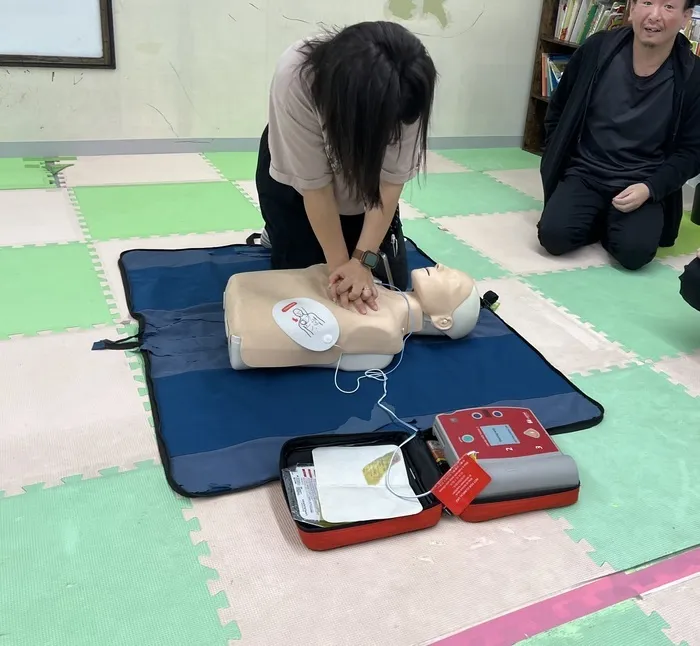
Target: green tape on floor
(624,624)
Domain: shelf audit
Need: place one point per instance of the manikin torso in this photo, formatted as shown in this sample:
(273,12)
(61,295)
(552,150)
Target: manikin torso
(443,301)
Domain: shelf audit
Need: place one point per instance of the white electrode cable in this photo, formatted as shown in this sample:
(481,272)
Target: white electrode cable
(376,374)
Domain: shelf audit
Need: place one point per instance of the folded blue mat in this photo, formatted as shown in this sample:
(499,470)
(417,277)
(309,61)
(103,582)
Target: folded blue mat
(220,430)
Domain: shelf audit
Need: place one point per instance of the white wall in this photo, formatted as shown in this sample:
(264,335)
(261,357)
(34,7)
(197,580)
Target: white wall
(201,69)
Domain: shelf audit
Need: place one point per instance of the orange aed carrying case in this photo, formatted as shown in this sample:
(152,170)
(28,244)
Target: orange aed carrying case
(425,470)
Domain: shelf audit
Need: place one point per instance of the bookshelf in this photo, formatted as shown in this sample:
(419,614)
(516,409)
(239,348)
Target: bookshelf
(548,44)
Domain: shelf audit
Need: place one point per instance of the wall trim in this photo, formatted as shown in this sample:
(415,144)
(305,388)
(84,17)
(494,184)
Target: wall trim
(47,149)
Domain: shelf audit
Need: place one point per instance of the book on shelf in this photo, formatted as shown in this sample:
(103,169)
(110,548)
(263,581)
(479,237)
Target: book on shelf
(578,19)
(692,31)
(553,66)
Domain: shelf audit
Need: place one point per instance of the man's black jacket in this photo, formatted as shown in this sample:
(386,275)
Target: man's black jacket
(568,105)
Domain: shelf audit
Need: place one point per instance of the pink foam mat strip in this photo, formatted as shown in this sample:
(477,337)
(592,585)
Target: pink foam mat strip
(545,615)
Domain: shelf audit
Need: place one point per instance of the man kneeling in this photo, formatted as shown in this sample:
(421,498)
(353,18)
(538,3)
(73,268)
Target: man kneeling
(622,136)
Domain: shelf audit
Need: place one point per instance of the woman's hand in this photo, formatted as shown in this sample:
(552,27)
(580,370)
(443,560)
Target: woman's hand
(352,286)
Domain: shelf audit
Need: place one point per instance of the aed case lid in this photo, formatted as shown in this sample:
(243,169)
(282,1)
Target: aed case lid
(512,447)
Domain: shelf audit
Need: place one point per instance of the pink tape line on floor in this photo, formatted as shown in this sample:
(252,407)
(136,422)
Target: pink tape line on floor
(602,593)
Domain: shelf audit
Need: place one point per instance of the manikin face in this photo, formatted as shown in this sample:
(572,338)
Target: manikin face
(657,22)
(439,279)
(441,289)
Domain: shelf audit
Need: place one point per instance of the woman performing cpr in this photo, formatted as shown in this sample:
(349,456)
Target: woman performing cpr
(347,128)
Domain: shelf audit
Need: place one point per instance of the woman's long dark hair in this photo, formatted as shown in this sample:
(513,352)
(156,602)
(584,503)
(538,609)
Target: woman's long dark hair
(368,81)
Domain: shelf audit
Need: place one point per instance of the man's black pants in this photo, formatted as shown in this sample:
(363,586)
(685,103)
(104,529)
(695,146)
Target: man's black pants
(690,283)
(293,241)
(580,213)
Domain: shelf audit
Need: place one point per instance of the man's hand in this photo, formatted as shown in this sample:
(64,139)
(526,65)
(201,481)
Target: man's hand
(631,198)
(352,286)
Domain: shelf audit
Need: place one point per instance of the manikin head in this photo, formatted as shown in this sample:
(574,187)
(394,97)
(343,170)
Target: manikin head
(368,81)
(656,23)
(449,298)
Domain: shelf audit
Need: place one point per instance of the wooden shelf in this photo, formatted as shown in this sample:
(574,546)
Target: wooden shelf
(557,41)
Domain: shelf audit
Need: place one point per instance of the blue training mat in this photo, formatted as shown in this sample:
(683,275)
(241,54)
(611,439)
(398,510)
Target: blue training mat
(220,430)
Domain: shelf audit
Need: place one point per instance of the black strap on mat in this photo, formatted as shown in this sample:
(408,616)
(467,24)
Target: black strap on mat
(127,343)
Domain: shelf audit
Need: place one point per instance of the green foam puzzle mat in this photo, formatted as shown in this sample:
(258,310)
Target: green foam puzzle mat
(443,247)
(486,159)
(234,166)
(448,194)
(107,560)
(53,287)
(23,174)
(164,209)
(640,310)
(638,469)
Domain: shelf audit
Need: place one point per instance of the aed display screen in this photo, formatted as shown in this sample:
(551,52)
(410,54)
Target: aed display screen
(499,435)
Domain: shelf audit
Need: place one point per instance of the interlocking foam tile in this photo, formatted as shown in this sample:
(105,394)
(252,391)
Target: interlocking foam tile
(525,180)
(234,166)
(445,194)
(684,371)
(642,310)
(435,162)
(107,560)
(250,190)
(621,624)
(138,169)
(445,248)
(638,469)
(373,593)
(37,216)
(20,173)
(678,605)
(678,262)
(65,409)
(492,158)
(50,288)
(110,251)
(688,240)
(567,343)
(511,240)
(409,213)
(164,209)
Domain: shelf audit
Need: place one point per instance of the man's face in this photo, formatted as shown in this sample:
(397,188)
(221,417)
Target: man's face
(657,22)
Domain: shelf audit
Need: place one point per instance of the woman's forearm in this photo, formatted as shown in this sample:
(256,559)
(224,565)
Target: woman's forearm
(322,211)
(377,221)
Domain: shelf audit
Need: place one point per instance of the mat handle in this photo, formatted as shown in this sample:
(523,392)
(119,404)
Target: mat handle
(127,343)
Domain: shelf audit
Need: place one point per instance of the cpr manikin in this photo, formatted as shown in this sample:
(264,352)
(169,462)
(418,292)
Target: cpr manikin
(443,301)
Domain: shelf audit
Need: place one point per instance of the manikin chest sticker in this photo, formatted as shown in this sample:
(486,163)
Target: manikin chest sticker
(307,322)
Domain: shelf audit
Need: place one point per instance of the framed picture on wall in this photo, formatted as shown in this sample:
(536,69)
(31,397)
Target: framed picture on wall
(57,33)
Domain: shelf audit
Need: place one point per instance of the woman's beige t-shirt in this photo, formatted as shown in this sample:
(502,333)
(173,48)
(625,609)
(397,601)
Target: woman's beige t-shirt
(300,156)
